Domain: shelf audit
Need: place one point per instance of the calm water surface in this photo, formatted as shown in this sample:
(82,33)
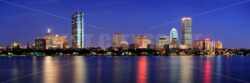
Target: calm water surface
(141,69)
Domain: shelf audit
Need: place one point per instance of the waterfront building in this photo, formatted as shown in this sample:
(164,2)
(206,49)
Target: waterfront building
(40,43)
(16,44)
(117,40)
(78,30)
(174,43)
(206,45)
(173,38)
(186,32)
(173,34)
(219,45)
(125,45)
(199,44)
(49,40)
(210,47)
(142,41)
(163,42)
(56,41)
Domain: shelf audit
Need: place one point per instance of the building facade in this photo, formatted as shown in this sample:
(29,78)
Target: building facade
(56,41)
(50,40)
(142,41)
(186,32)
(78,30)
(163,42)
(117,40)
(173,38)
(173,34)
(40,43)
(219,45)
(199,44)
(207,46)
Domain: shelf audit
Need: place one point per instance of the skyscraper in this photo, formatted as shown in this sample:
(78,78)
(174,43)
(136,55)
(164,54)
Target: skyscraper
(173,38)
(186,32)
(78,30)
(173,34)
(117,40)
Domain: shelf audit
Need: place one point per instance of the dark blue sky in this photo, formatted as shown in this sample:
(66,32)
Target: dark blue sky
(225,20)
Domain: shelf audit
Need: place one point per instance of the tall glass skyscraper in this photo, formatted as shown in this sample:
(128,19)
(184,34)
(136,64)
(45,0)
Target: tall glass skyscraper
(78,30)
(187,32)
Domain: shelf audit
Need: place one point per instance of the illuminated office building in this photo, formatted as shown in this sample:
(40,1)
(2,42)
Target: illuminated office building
(219,45)
(174,43)
(78,30)
(117,40)
(40,43)
(199,44)
(173,38)
(206,45)
(173,34)
(186,32)
(209,46)
(49,41)
(142,41)
(163,42)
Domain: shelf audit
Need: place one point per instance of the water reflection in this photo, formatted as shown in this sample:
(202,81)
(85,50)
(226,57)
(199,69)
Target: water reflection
(117,73)
(174,69)
(142,70)
(218,69)
(161,67)
(34,68)
(99,69)
(15,71)
(207,71)
(80,70)
(186,69)
(51,70)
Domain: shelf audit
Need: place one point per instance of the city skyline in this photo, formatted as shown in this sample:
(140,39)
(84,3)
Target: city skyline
(217,25)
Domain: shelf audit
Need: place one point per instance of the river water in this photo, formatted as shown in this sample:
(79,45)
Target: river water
(121,69)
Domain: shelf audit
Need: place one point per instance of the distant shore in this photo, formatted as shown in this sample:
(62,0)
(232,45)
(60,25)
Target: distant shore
(122,52)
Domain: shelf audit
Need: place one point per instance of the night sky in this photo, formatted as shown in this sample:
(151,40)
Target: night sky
(225,20)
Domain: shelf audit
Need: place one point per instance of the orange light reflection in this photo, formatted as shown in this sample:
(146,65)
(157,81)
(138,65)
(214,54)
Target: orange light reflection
(142,70)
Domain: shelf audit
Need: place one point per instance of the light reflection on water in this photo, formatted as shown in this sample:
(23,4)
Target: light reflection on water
(51,71)
(207,71)
(80,70)
(143,69)
(186,69)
